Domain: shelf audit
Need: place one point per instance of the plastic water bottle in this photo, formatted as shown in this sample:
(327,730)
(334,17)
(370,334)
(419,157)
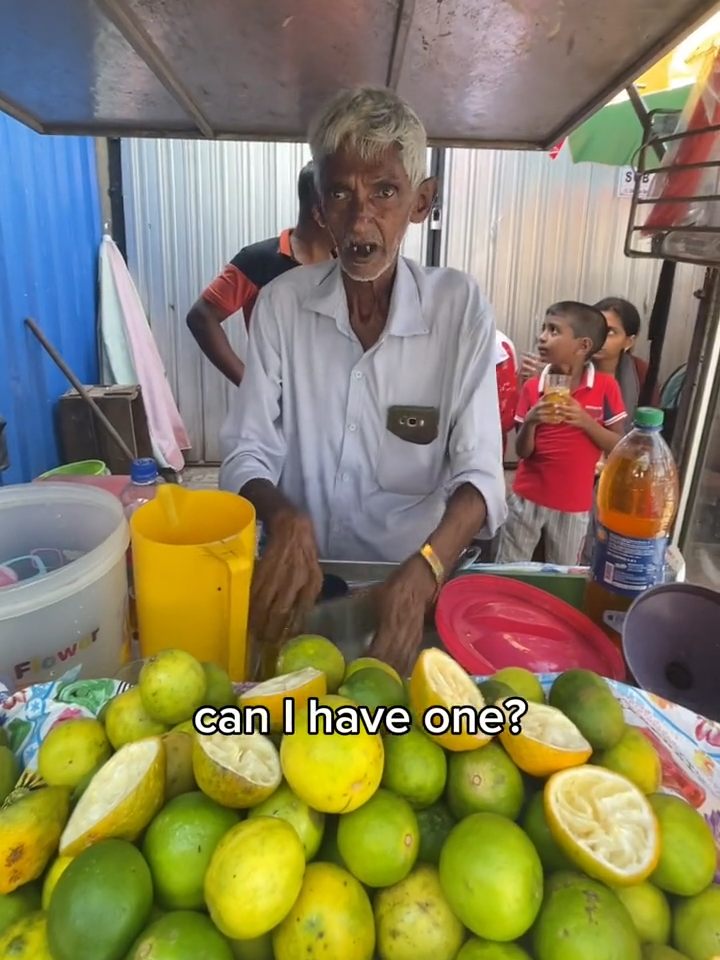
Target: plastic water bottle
(144,481)
(637,501)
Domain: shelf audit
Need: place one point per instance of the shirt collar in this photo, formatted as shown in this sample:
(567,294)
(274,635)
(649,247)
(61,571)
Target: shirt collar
(284,244)
(405,318)
(588,379)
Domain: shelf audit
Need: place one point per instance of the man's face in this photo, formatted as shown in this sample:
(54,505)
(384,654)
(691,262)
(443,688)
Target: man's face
(367,207)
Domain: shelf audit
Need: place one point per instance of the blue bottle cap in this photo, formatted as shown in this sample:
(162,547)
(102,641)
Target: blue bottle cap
(143,470)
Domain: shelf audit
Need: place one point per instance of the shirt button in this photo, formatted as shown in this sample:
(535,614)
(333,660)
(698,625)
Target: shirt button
(345,477)
(352,428)
(358,375)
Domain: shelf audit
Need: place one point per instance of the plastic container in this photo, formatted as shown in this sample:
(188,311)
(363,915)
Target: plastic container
(81,468)
(113,483)
(74,615)
(636,505)
(144,481)
(193,558)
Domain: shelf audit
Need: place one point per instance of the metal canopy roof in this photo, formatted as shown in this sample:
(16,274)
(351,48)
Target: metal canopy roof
(513,73)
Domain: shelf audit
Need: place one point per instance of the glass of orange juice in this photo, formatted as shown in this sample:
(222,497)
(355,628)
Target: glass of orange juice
(557,392)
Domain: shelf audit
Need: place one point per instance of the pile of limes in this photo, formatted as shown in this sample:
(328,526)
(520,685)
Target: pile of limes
(147,841)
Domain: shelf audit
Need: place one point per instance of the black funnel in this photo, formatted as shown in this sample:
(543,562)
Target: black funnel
(671,642)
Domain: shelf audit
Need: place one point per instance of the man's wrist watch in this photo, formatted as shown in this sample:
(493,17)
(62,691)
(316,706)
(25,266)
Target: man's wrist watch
(435,564)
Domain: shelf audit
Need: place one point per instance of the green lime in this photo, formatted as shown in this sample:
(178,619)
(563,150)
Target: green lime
(587,700)
(219,691)
(660,951)
(697,925)
(71,750)
(492,877)
(286,805)
(649,910)
(127,720)
(179,844)
(435,824)
(535,825)
(415,768)
(373,688)
(18,904)
(362,663)
(308,650)
(494,691)
(259,948)
(379,842)
(484,781)
(182,935)
(172,686)
(635,758)
(688,857)
(475,949)
(522,682)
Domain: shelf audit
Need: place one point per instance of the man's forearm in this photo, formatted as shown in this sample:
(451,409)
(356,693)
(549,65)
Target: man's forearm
(270,503)
(464,516)
(213,341)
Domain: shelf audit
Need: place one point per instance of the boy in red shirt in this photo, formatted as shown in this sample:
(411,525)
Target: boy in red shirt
(553,489)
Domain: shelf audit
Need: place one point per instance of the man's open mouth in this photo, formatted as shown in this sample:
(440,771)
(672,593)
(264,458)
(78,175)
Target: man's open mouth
(361,251)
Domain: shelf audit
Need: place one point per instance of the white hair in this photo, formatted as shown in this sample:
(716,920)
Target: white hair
(368,120)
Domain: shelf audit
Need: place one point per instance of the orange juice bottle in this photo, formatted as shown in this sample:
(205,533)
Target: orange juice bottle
(636,504)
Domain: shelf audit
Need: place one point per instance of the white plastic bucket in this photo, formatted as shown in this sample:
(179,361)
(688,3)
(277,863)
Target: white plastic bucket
(76,615)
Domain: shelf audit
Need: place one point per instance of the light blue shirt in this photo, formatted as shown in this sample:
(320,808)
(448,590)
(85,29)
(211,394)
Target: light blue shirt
(310,415)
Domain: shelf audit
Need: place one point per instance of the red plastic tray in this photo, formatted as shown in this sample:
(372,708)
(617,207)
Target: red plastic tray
(487,623)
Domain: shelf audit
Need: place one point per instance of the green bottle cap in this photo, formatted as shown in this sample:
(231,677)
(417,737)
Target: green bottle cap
(649,417)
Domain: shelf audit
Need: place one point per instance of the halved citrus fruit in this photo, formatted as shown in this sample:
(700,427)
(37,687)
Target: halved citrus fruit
(438,681)
(299,685)
(604,824)
(236,770)
(547,742)
(120,800)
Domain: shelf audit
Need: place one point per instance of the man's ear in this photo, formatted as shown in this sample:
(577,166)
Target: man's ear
(319,216)
(424,200)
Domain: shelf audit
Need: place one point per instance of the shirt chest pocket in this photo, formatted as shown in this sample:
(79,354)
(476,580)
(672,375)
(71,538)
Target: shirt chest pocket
(412,454)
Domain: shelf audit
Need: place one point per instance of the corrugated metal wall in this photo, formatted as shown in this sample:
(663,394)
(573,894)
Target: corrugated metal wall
(189,207)
(533,230)
(50,228)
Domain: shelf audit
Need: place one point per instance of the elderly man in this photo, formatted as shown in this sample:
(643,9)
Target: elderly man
(367,425)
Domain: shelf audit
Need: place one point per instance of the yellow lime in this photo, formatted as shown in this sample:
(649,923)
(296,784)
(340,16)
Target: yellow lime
(254,877)
(332,918)
(18,904)
(308,650)
(179,775)
(187,726)
(9,771)
(492,877)
(415,768)
(635,758)
(179,844)
(363,663)
(649,910)
(535,825)
(26,939)
(298,686)
(587,700)
(697,925)
(31,821)
(688,857)
(603,823)
(522,682)
(583,920)
(56,869)
(219,691)
(236,770)
(438,681)
(307,822)
(484,781)
(71,750)
(120,800)
(379,842)
(373,688)
(172,686)
(259,948)
(331,772)
(127,720)
(413,919)
(435,824)
(547,742)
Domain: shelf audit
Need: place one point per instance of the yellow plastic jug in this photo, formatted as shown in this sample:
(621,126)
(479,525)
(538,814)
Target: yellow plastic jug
(193,556)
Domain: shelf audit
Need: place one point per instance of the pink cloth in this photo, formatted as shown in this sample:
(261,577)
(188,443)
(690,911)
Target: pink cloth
(167,430)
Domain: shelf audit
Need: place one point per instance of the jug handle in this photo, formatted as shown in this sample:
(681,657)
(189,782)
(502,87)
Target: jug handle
(238,612)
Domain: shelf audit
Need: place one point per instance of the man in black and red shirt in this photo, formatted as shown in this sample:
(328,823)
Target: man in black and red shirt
(237,287)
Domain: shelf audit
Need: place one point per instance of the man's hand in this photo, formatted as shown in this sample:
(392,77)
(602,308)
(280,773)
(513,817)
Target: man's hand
(402,604)
(573,414)
(287,581)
